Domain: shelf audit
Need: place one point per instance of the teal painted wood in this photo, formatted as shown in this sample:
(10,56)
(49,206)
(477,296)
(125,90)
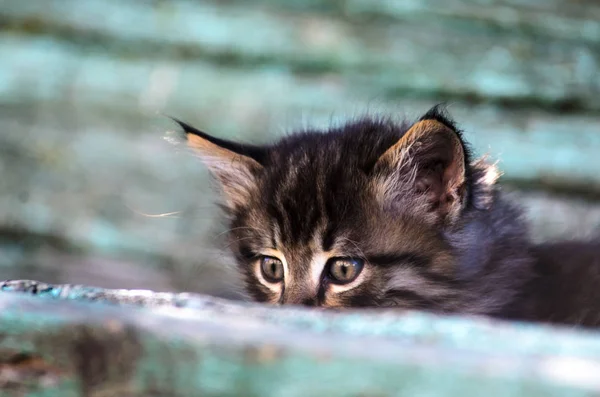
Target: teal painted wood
(457,49)
(188,345)
(532,146)
(82,158)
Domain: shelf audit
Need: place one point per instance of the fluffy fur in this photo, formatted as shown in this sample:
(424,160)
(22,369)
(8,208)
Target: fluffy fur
(428,221)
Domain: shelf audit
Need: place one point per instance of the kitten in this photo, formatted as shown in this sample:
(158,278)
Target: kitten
(380,214)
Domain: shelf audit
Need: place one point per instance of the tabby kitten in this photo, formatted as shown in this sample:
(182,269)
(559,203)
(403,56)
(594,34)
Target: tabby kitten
(375,213)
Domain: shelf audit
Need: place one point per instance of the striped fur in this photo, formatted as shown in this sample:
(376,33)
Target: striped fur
(429,223)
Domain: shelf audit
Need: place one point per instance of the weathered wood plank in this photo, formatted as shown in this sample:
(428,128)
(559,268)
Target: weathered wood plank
(83,162)
(189,345)
(553,18)
(464,49)
(531,144)
(81,188)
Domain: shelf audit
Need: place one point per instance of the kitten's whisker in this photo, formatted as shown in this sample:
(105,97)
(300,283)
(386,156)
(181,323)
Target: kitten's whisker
(361,253)
(163,215)
(237,241)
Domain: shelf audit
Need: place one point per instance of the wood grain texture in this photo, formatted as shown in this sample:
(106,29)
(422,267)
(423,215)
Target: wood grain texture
(83,84)
(95,342)
(546,54)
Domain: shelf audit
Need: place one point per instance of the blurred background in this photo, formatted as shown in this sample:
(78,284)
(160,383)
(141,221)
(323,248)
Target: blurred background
(84,84)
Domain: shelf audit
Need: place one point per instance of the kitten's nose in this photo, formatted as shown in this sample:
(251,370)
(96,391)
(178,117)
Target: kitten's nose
(299,297)
(309,302)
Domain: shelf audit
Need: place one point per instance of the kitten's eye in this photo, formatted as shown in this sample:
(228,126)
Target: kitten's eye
(344,270)
(272,269)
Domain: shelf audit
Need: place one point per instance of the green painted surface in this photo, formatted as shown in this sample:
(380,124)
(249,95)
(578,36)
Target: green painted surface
(82,83)
(354,37)
(82,161)
(213,347)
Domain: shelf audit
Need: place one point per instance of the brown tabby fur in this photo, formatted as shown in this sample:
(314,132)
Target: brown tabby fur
(432,227)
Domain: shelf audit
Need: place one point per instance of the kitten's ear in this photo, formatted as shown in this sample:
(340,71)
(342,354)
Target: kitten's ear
(430,160)
(235,166)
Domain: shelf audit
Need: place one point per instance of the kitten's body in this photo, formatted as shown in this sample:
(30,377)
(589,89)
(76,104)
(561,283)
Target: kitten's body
(564,287)
(380,214)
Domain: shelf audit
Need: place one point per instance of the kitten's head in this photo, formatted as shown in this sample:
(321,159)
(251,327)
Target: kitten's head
(353,216)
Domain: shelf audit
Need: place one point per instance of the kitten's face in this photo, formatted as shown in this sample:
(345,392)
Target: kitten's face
(352,217)
(318,235)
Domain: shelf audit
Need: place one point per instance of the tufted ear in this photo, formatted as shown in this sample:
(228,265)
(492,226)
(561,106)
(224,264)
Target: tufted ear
(234,166)
(429,162)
